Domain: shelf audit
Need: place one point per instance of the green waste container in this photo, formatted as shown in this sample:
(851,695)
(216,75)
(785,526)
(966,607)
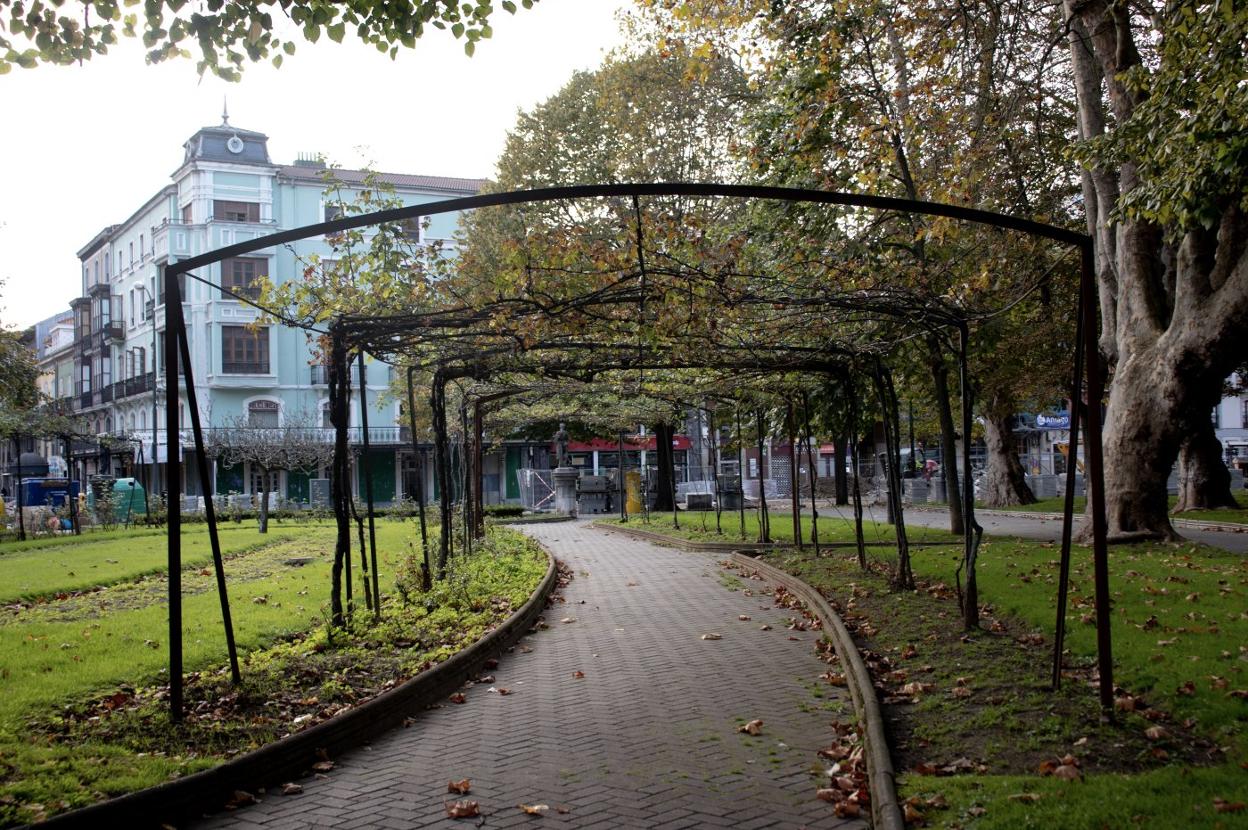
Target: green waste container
(129,500)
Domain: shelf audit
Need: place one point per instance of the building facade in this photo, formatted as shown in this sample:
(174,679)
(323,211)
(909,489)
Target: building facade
(227,190)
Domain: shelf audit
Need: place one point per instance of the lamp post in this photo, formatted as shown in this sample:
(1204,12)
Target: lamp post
(151,484)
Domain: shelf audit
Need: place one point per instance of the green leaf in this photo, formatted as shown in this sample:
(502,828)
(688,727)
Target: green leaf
(458,30)
(469,48)
(336,32)
(509,6)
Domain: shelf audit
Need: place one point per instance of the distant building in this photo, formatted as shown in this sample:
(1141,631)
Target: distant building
(1230,421)
(226,191)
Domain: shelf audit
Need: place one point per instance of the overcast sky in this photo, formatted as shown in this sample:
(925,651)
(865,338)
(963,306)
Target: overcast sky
(83,147)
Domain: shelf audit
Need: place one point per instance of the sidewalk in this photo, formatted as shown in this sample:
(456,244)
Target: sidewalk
(647,738)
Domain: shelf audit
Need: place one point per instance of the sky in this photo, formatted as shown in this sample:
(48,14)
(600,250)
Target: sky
(84,147)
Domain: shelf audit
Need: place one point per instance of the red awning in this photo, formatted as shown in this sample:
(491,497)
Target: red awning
(679,442)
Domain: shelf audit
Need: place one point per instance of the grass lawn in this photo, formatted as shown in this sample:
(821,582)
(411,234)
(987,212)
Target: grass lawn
(836,526)
(40,568)
(68,652)
(1180,638)
(1240,516)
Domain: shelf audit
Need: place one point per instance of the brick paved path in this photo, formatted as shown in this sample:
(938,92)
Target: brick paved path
(646,739)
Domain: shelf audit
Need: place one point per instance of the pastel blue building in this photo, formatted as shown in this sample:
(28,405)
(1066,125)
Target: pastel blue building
(226,191)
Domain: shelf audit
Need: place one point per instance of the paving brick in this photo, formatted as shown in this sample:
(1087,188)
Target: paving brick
(647,738)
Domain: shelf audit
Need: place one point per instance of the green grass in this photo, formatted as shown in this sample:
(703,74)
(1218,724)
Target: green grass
(836,526)
(69,650)
(41,568)
(1240,516)
(1179,618)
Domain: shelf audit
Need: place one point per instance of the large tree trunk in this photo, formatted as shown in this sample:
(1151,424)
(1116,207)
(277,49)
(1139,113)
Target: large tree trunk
(1004,483)
(1204,480)
(948,435)
(1173,302)
(663,500)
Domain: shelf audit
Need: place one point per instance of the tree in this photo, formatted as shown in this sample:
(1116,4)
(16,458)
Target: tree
(227,35)
(298,445)
(1163,118)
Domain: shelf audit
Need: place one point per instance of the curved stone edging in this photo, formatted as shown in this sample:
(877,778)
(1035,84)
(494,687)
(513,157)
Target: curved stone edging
(293,756)
(881,778)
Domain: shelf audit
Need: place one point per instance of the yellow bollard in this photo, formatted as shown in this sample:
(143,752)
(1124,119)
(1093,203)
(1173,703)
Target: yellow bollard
(632,491)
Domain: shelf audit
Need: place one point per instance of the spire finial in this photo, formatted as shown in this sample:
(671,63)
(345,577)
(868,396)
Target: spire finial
(225,112)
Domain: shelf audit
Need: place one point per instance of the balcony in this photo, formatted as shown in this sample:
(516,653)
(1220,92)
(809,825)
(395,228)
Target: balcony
(135,386)
(115,330)
(319,375)
(86,400)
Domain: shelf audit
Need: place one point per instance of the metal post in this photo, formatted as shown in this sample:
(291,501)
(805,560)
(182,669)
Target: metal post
(813,461)
(368,488)
(69,487)
(173,323)
(1096,483)
(1068,507)
(970,610)
(210,512)
(418,458)
(619,475)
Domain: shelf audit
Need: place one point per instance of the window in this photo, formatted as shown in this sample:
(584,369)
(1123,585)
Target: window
(133,318)
(1217,417)
(224,211)
(333,212)
(411,228)
(132,253)
(263,414)
(142,247)
(244,351)
(186,213)
(240,276)
(140,361)
(326,421)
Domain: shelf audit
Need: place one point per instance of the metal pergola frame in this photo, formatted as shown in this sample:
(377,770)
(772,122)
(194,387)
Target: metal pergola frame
(1087,358)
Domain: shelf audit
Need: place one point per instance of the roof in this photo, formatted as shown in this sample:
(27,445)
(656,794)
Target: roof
(445,184)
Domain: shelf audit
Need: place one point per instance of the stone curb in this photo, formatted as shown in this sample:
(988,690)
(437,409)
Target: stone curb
(1190,524)
(881,778)
(746,547)
(293,756)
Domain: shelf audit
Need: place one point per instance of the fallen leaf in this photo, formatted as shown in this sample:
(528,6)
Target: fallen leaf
(924,768)
(504,691)
(764,627)
(976,811)
(1067,772)
(754,727)
(1155,733)
(462,809)
(562,809)
(831,794)
(744,617)
(847,809)
(323,766)
(712,636)
(458,697)
(567,620)
(491,663)
(291,789)
(1187,689)
(1221,805)
(459,787)
(534,809)
(1025,798)
(240,798)
(578,674)
(960,691)
(912,815)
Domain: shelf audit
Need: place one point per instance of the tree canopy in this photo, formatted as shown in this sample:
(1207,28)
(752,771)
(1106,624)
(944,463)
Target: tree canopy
(224,37)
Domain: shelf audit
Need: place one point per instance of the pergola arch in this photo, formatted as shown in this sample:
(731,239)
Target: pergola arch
(485,354)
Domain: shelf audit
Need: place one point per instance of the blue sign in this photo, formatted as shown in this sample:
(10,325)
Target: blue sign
(1053,421)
